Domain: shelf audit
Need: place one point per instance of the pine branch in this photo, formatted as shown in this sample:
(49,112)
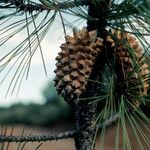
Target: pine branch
(38,138)
(52,137)
(32,6)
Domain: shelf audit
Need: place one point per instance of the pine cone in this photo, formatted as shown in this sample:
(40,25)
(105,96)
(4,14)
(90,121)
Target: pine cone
(131,68)
(75,62)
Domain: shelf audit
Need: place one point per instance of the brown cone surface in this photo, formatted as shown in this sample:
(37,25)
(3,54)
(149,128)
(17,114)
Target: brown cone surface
(75,62)
(131,68)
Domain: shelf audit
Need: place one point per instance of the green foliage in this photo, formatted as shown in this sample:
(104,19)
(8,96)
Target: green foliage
(53,111)
(49,93)
(34,114)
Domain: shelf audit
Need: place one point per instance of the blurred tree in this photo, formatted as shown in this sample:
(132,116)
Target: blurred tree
(33,114)
(49,93)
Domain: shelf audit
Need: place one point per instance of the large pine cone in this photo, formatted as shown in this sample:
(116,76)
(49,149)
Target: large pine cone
(130,65)
(75,62)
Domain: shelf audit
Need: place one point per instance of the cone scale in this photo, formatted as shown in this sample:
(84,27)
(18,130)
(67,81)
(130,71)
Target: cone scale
(131,69)
(75,62)
(77,56)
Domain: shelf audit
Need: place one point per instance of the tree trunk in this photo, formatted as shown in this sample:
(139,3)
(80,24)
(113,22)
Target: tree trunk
(86,115)
(85,112)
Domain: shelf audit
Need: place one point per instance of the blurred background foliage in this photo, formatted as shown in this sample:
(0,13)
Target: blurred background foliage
(54,110)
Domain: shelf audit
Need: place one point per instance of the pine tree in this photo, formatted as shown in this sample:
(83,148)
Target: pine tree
(102,70)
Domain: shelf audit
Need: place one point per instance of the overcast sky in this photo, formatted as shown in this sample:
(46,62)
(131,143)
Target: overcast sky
(31,89)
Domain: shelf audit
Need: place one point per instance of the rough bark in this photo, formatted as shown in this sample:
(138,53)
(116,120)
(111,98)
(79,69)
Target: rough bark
(85,112)
(86,115)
